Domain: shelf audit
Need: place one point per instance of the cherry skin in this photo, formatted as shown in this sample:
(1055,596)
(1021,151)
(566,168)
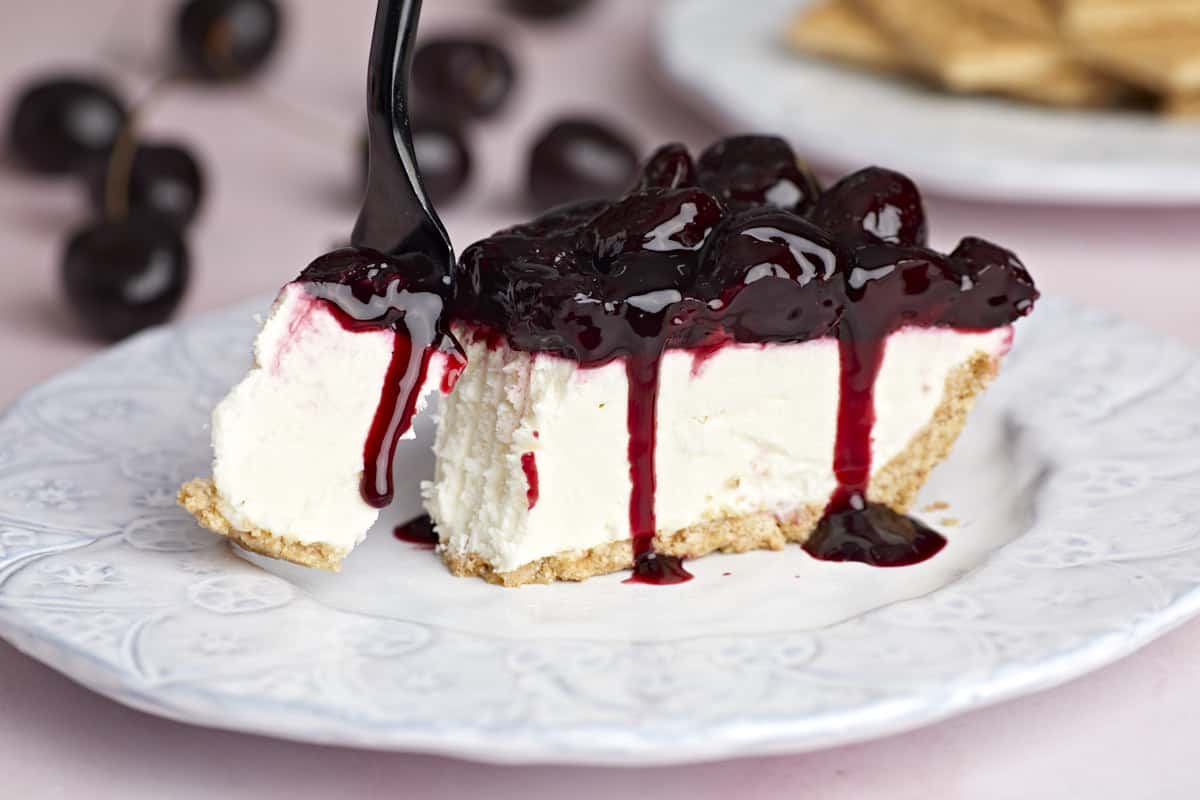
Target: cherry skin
(123,276)
(670,167)
(579,159)
(546,9)
(753,171)
(59,125)
(165,181)
(468,77)
(775,274)
(877,203)
(227,40)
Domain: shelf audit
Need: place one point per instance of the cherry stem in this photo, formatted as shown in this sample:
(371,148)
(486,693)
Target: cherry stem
(118,172)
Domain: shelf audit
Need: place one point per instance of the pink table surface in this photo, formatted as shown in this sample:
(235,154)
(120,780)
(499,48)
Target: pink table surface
(282,164)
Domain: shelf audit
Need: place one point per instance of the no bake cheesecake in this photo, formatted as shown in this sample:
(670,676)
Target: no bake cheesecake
(726,358)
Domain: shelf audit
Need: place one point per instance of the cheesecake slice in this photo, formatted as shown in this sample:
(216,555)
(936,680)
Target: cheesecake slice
(728,358)
(725,359)
(533,468)
(303,445)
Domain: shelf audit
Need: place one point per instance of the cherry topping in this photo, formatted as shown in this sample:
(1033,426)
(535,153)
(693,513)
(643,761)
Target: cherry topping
(996,288)
(369,273)
(163,181)
(774,274)
(576,159)
(227,40)
(752,171)
(655,221)
(874,202)
(59,125)
(671,167)
(463,76)
(123,276)
(546,9)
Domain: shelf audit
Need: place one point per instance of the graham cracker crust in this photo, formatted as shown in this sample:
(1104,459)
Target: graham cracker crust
(896,486)
(201,499)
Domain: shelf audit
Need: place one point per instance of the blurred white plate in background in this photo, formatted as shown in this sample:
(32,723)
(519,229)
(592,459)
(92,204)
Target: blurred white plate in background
(730,58)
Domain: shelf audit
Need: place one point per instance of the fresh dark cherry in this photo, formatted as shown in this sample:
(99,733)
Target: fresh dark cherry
(59,125)
(443,157)
(545,9)
(164,181)
(227,40)
(774,274)
(753,171)
(671,167)
(576,159)
(471,77)
(996,287)
(874,202)
(123,276)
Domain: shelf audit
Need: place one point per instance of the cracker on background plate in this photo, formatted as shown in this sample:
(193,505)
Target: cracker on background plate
(1074,85)
(1182,105)
(963,49)
(1166,61)
(837,29)
(1034,16)
(1102,17)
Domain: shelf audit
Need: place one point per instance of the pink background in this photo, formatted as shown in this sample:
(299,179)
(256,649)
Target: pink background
(282,168)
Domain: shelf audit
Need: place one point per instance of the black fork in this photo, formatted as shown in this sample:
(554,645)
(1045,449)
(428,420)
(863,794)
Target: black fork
(397,217)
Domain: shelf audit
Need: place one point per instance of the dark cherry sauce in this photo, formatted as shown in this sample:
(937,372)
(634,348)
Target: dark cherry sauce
(455,364)
(418,531)
(529,467)
(854,529)
(642,371)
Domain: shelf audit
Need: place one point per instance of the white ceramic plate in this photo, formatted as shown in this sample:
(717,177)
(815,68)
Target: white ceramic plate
(730,58)
(1076,486)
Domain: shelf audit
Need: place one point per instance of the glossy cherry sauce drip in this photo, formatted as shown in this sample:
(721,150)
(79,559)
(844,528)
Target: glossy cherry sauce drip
(418,531)
(740,246)
(642,371)
(368,291)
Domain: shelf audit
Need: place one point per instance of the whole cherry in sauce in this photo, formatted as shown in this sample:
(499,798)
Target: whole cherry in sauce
(754,171)
(874,202)
(227,40)
(62,124)
(578,159)
(773,274)
(669,167)
(163,180)
(121,276)
(646,245)
(467,76)
(996,286)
